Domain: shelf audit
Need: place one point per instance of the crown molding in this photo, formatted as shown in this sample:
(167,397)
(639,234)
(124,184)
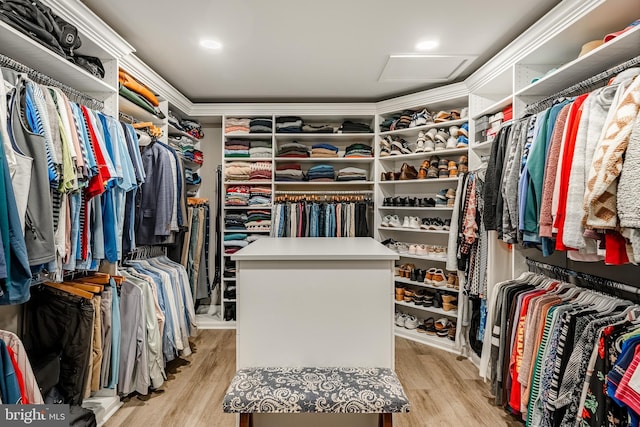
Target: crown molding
(91,26)
(431,96)
(157,83)
(556,20)
(298,109)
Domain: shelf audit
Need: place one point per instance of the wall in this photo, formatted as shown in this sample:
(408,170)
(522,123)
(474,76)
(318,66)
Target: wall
(211,147)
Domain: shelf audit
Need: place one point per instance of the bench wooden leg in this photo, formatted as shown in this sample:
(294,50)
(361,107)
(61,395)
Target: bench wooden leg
(246,420)
(386,420)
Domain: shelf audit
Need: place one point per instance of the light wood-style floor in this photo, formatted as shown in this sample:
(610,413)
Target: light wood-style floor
(443,390)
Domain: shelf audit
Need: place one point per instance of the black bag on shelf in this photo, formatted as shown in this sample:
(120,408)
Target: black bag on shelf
(37,21)
(90,63)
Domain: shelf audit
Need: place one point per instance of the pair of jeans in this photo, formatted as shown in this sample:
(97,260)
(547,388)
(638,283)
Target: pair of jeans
(58,342)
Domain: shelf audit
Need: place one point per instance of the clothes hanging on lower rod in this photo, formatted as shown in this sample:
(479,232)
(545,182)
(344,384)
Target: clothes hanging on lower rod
(195,250)
(312,219)
(19,382)
(555,358)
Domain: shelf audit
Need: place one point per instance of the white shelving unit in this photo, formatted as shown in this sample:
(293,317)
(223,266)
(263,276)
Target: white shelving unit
(443,343)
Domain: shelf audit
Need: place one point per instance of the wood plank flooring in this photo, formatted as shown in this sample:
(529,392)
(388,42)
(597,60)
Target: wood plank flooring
(443,390)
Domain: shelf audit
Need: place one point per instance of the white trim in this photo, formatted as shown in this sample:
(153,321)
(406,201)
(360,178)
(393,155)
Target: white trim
(90,25)
(426,97)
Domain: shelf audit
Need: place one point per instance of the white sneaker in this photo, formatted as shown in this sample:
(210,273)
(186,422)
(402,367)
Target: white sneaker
(405,223)
(414,222)
(413,249)
(410,322)
(394,221)
(420,143)
(400,319)
(402,248)
(452,143)
(429,146)
(385,221)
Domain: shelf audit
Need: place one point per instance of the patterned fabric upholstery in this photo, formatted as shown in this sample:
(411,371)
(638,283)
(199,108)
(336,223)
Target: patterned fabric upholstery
(329,390)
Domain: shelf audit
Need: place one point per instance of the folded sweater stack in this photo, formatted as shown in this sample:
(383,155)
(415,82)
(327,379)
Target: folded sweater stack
(260,125)
(237,148)
(358,150)
(234,126)
(324,150)
(237,171)
(320,128)
(293,149)
(260,149)
(321,173)
(289,124)
(352,174)
(260,171)
(237,195)
(259,197)
(289,172)
(353,127)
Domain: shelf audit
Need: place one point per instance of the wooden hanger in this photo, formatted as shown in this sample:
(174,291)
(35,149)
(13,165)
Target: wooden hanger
(69,289)
(94,289)
(97,278)
(152,129)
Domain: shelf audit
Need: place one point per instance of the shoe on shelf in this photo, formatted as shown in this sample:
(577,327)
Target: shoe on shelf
(428,276)
(446,306)
(413,202)
(451,193)
(400,146)
(438,278)
(452,332)
(441,203)
(412,249)
(426,223)
(408,172)
(414,222)
(400,318)
(441,139)
(451,280)
(394,221)
(443,173)
(442,116)
(424,169)
(388,201)
(430,202)
(453,169)
(405,222)
(446,224)
(411,322)
(402,248)
(385,221)
(449,299)
(428,326)
(436,224)
(452,143)
(442,194)
(421,250)
(454,114)
(463,142)
(464,130)
(420,143)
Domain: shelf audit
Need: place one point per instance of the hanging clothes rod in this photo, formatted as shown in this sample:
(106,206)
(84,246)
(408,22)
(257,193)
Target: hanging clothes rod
(581,87)
(569,275)
(43,79)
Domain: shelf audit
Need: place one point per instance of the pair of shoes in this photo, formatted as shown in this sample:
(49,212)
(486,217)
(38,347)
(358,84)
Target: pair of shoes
(463,164)
(453,169)
(385,146)
(445,116)
(435,277)
(389,176)
(425,142)
(391,221)
(399,146)
(428,326)
(408,172)
(406,321)
(453,281)
(421,118)
(442,326)
(420,250)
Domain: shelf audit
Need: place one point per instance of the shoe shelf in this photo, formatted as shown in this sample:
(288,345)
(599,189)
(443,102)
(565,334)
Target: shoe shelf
(415,130)
(442,343)
(413,230)
(174,131)
(418,181)
(229,279)
(325,159)
(423,155)
(434,310)
(406,281)
(415,208)
(423,257)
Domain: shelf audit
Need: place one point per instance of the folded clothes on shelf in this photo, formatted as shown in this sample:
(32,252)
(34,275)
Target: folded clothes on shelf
(358,150)
(260,125)
(320,128)
(289,124)
(293,149)
(324,150)
(352,127)
(352,174)
(322,172)
(236,125)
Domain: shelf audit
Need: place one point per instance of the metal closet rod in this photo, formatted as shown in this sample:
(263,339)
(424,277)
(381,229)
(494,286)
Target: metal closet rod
(581,87)
(567,273)
(43,79)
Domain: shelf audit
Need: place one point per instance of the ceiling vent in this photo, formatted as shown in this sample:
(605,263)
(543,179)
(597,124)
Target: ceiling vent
(424,68)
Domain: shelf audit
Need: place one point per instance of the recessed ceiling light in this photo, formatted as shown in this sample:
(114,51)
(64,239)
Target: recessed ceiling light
(210,44)
(426,45)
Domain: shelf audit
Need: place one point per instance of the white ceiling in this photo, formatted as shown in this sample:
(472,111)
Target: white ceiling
(287,50)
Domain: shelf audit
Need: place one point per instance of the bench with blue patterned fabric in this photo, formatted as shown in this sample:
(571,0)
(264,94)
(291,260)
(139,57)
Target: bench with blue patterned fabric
(317,390)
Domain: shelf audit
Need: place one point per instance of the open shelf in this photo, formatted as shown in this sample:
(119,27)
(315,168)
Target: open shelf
(450,313)
(329,183)
(206,321)
(482,147)
(325,159)
(325,136)
(606,56)
(248,207)
(431,340)
(34,55)
(409,208)
(261,136)
(419,181)
(247,159)
(173,131)
(127,107)
(424,257)
(247,231)
(415,130)
(406,281)
(257,182)
(494,108)
(413,230)
(420,156)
